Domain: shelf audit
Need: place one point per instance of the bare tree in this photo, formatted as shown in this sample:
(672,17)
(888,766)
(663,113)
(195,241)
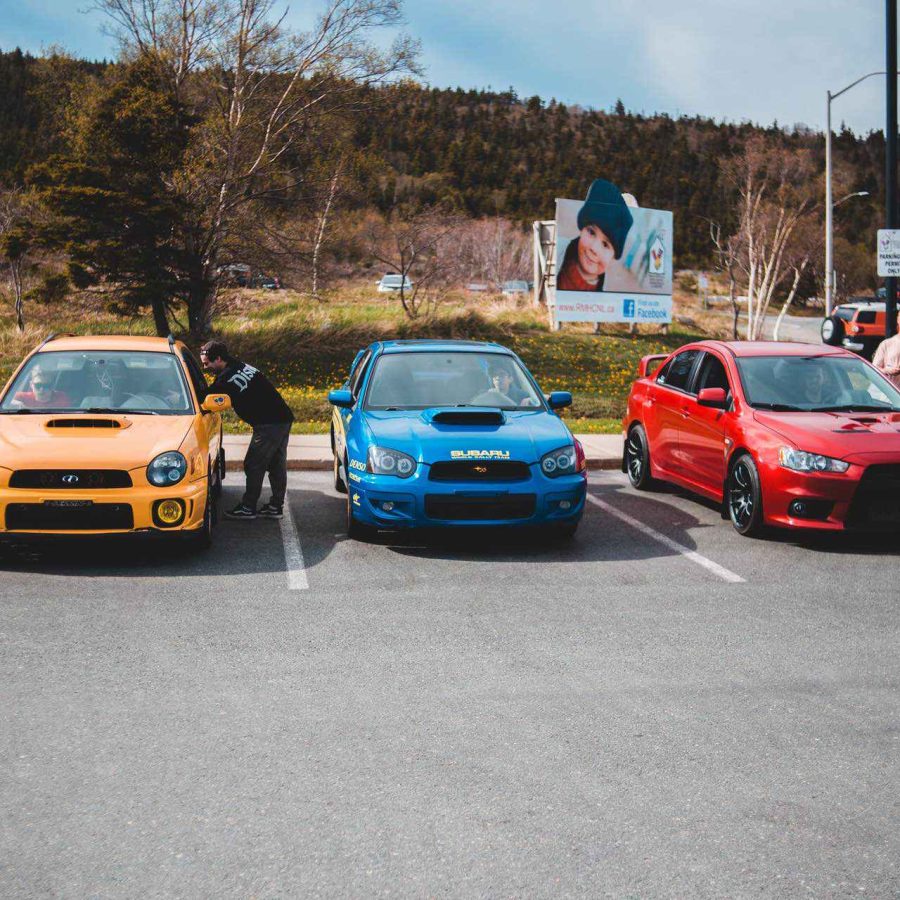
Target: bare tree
(776,190)
(255,91)
(421,249)
(322,222)
(807,243)
(728,254)
(15,243)
(494,250)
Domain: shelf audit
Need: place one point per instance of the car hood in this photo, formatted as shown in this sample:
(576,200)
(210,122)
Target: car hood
(47,441)
(843,435)
(525,435)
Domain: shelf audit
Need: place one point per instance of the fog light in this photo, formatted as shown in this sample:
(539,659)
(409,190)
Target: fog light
(798,508)
(387,506)
(168,513)
(565,504)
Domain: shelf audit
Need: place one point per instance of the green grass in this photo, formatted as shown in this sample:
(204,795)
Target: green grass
(306,347)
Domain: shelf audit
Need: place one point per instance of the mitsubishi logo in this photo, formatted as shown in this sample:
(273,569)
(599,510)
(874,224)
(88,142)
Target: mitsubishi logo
(70,479)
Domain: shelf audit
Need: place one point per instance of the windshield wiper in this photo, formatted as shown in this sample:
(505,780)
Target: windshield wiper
(778,407)
(856,407)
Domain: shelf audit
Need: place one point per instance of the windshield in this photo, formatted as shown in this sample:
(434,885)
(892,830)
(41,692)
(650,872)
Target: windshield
(816,383)
(100,381)
(422,380)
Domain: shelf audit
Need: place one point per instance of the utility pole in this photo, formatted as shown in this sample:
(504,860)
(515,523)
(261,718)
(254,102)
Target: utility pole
(890,175)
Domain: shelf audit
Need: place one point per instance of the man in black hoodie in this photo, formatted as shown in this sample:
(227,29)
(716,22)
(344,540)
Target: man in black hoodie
(258,403)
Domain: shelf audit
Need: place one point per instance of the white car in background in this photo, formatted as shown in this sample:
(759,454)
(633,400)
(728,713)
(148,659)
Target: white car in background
(392,282)
(514,288)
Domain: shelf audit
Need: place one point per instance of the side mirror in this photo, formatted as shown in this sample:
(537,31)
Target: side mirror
(560,399)
(342,399)
(216,403)
(713,397)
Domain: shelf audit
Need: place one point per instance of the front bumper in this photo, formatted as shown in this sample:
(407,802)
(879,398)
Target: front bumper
(850,501)
(27,511)
(389,502)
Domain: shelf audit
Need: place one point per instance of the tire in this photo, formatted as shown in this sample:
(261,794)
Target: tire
(202,538)
(743,497)
(339,484)
(833,331)
(356,530)
(637,459)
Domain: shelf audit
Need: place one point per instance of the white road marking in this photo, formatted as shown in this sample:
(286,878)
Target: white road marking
(686,552)
(295,567)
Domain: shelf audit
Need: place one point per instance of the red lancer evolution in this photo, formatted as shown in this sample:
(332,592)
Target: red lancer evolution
(794,435)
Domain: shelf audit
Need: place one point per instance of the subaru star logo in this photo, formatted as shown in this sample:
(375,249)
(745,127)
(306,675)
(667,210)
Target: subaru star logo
(70,479)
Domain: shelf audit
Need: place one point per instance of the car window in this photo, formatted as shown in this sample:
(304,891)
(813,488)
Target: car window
(845,314)
(422,380)
(195,373)
(677,371)
(712,374)
(865,316)
(816,383)
(100,380)
(358,372)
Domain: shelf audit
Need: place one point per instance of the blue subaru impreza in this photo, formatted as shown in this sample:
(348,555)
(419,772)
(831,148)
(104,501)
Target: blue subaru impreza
(452,433)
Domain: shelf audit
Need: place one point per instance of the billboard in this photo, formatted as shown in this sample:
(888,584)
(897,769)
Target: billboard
(613,260)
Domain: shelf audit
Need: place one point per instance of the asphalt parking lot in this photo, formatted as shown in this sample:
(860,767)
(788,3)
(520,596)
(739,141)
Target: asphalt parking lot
(659,708)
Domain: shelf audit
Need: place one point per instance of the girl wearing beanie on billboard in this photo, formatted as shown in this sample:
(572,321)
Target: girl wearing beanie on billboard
(603,225)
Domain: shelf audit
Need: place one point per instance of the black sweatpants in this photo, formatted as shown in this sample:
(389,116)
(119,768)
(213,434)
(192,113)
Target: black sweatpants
(267,453)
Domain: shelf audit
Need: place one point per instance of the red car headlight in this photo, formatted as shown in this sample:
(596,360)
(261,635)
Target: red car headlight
(801,461)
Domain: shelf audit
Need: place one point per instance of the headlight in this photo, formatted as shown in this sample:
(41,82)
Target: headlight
(390,462)
(167,469)
(801,461)
(563,461)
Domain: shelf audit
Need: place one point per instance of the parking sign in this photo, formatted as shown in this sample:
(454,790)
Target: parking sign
(888,253)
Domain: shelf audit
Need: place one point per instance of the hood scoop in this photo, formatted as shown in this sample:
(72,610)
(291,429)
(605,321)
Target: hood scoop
(468,417)
(82,422)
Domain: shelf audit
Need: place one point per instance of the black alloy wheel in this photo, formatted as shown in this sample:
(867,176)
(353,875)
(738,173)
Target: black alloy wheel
(744,497)
(637,459)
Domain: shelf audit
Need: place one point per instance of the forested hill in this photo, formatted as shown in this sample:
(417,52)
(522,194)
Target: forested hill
(493,153)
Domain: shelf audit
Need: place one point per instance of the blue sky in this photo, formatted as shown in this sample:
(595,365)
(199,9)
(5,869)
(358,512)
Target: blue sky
(739,60)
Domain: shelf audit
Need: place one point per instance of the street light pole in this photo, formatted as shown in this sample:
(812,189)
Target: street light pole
(829,206)
(890,160)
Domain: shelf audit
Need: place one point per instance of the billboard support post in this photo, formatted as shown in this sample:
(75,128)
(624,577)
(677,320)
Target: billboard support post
(890,180)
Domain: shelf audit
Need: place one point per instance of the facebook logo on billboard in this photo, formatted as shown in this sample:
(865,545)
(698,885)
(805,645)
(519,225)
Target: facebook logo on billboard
(628,308)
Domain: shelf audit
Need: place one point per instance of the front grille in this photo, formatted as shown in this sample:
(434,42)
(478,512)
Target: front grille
(450,508)
(70,479)
(49,517)
(479,470)
(877,499)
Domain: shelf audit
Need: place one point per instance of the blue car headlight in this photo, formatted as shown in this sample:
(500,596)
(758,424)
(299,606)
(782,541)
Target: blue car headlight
(383,461)
(167,469)
(563,461)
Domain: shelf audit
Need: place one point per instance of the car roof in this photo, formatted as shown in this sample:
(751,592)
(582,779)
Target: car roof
(771,348)
(433,344)
(877,305)
(107,342)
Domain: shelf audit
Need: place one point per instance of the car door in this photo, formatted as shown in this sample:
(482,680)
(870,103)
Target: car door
(342,416)
(211,423)
(701,438)
(666,400)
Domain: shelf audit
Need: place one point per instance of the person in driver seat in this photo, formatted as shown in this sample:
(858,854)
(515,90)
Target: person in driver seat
(503,390)
(42,394)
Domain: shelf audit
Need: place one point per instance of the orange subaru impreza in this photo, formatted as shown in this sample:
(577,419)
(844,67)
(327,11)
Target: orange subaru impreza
(110,435)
